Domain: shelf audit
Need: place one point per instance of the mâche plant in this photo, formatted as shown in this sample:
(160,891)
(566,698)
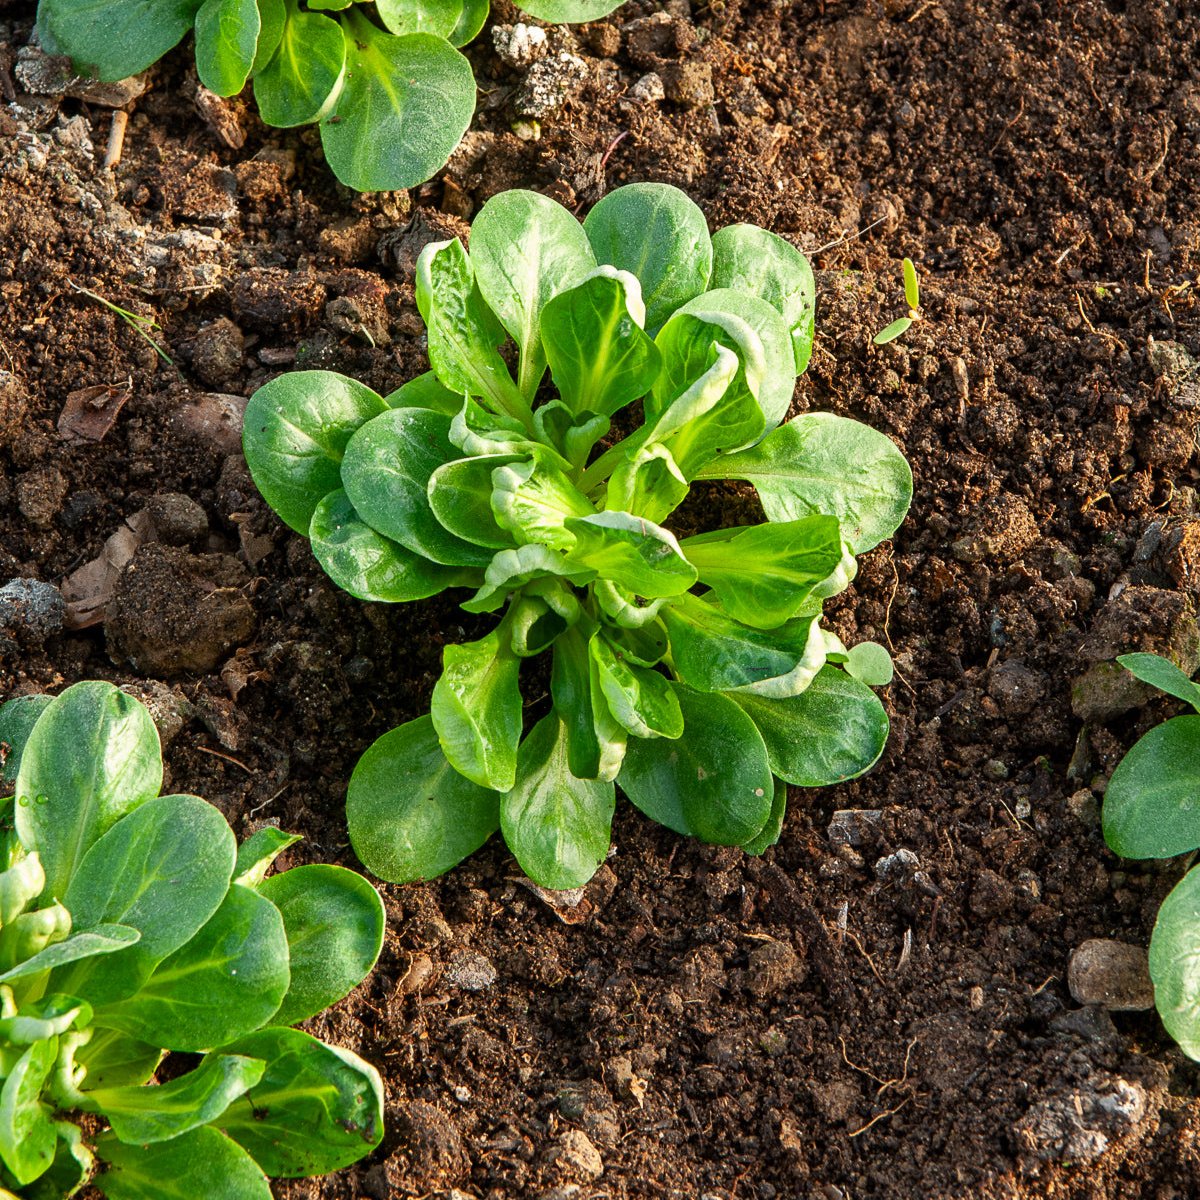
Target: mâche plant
(131,924)
(912,296)
(1152,810)
(691,670)
(385,81)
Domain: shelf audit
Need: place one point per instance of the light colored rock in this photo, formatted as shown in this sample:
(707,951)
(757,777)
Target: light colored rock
(520,45)
(575,1151)
(471,971)
(550,83)
(1114,975)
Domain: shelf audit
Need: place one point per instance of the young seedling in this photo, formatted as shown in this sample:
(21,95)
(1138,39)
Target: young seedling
(131,925)
(139,324)
(385,81)
(691,670)
(912,294)
(1152,810)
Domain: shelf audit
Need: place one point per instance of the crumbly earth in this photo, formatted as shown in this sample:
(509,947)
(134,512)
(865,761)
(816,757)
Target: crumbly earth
(883,1013)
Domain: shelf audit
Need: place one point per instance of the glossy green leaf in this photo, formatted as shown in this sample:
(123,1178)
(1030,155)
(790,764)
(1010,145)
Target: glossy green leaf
(405,105)
(162,870)
(912,289)
(295,433)
(229,978)
(256,854)
(713,783)
(511,569)
(470,22)
(200,1163)
(104,940)
(226,41)
(654,232)
(463,333)
(648,483)
(411,815)
(27,1133)
(20,885)
(460,494)
(317,1108)
(834,730)
(438,17)
(870,663)
(17,719)
(595,742)
(639,698)
(770,833)
(303,79)
(533,626)
(39,1020)
(1175,963)
(526,249)
(763,574)
(1153,669)
(334,921)
(1152,804)
(821,463)
(556,825)
(272,16)
(476,709)
(92,757)
(533,500)
(751,260)
(569,12)
(386,471)
(632,552)
(114,41)
(599,355)
(425,391)
(159,1112)
(368,565)
(111,1059)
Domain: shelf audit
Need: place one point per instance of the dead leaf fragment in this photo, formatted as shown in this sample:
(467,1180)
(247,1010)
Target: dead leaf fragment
(88,590)
(90,412)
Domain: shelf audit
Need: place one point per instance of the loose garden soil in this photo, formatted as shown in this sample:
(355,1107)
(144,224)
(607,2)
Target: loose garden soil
(878,1013)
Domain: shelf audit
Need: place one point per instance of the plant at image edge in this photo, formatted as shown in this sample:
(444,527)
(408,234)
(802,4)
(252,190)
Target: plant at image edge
(131,924)
(384,81)
(690,671)
(1152,810)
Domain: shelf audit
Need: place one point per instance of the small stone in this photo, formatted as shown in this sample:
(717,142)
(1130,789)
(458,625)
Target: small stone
(648,90)
(527,130)
(1077,1126)
(213,420)
(549,84)
(178,520)
(576,1152)
(898,867)
(689,84)
(40,495)
(275,300)
(1084,807)
(1015,688)
(418,977)
(1106,690)
(30,612)
(992,895)
(1004,530)
(350,239)
(1091,1023)
(519,46)
(218,353)
(854,826)
(995,770)
(1114,975)
(471,971)
(773,967)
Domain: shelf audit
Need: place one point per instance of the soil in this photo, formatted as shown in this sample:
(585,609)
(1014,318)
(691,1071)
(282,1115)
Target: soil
(883,1012)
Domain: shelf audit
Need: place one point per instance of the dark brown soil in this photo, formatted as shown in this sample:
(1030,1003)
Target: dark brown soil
(830,1021)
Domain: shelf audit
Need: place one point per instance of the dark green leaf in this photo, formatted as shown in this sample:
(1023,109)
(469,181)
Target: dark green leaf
(821,463)
(654,232)
(317,1108)
(631,551)
(769,834)
(1153,669)
(104,940)
(295,433)
(230,978)
(112,1059)
(226,41)
(460,494)
(200,1163)
(272,15)
(334,921)
(92,757)
(640,699)
(556,825)
(569,12)
(833,731)
(411,815)
(438,17)
(1175,963)
(368,565)
(27,1134)
(258,852)
(713,783)
(595,742)
(1152,804)
(17,719)
(405,105)
(426,391)
(303,78)
(159,1112)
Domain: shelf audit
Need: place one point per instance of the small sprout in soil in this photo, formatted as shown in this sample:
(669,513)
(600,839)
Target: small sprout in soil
(139,324)
(1152,810)
(912,294)
(691,670)
(385,82)
(132,925)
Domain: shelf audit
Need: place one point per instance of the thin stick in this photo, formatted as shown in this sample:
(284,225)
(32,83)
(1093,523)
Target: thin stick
(226,758)
(116,139)
(891,1112)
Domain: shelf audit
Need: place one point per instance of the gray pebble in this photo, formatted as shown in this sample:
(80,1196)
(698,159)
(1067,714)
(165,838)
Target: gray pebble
(30,611)
(1114,975)
(471,971)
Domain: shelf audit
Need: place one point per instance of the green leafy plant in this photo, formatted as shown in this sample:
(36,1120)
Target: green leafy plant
(912,294)
(690,670)
(385,81)
(1152,810)
(132,924)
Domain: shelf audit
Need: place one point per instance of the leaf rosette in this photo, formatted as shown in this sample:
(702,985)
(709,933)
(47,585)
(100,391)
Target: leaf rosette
(131,926)
(692,671)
